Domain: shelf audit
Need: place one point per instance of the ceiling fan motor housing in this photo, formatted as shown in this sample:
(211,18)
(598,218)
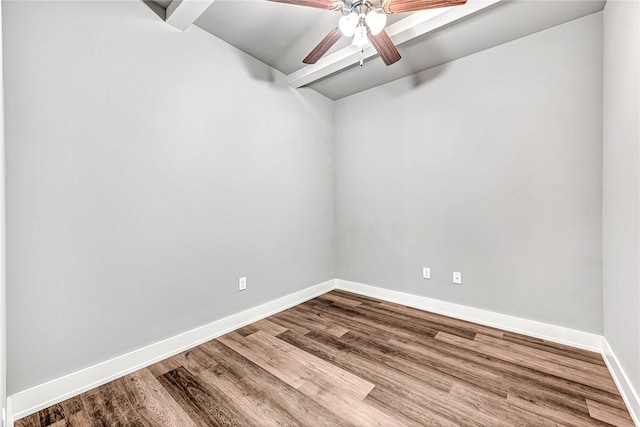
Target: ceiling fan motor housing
(360,6)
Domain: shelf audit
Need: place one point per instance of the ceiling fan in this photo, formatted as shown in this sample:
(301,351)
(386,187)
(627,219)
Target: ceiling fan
(364,20)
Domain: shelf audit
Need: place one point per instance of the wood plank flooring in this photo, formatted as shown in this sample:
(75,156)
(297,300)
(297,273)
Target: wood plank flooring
(346,360)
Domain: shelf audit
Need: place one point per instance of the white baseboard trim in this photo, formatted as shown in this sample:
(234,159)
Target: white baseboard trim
(9,413)
(629,395)
(44,395)
(559,334)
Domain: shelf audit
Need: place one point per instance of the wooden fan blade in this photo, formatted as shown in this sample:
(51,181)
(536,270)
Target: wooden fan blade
(385,47)
(399,6)
(320,4)
(322,48)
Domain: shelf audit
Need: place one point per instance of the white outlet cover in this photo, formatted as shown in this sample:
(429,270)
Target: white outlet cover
(242,283)
(426,273)
(457,278)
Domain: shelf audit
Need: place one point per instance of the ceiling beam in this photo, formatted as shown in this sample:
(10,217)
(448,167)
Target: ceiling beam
(415,25)
(182,13)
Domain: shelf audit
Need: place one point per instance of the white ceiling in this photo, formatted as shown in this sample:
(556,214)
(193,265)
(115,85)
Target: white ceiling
(280,35)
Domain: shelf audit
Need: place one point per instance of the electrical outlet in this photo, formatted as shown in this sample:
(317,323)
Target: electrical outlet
(457,278)
(242,283)
(426,273)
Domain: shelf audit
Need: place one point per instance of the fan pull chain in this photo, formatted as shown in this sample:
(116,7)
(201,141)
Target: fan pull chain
(362,56)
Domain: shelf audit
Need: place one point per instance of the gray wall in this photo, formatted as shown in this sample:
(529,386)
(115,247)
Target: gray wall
(149,169)
(621,178)
(489,165)
(3,329)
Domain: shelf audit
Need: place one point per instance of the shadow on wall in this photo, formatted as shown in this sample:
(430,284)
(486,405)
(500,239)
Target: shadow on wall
(424,77)
(257,70)
(262,72)
(430,74)
(437,57)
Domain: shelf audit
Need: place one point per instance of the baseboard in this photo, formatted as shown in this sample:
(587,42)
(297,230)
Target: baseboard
(44,395)
(629,394)
(559,334)
(8,413)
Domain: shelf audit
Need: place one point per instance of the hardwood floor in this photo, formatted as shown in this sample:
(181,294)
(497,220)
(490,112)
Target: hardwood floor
(347,360)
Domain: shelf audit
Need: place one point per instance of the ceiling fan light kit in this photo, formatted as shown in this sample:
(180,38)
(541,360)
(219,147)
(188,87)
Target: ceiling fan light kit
(360,38)
(348,24)
(376,21)
(365,20)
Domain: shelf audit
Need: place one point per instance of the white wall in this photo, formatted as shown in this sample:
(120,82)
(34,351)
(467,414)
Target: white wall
(621,183)
(147,170)
(489,165)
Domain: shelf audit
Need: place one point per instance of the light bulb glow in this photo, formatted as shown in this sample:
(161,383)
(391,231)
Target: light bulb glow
(376,21)
(360,38)
(348,24)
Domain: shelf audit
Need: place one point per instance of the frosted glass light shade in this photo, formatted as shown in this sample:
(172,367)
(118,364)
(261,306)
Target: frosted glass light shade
(360,38)
(348,24)
(376,21)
